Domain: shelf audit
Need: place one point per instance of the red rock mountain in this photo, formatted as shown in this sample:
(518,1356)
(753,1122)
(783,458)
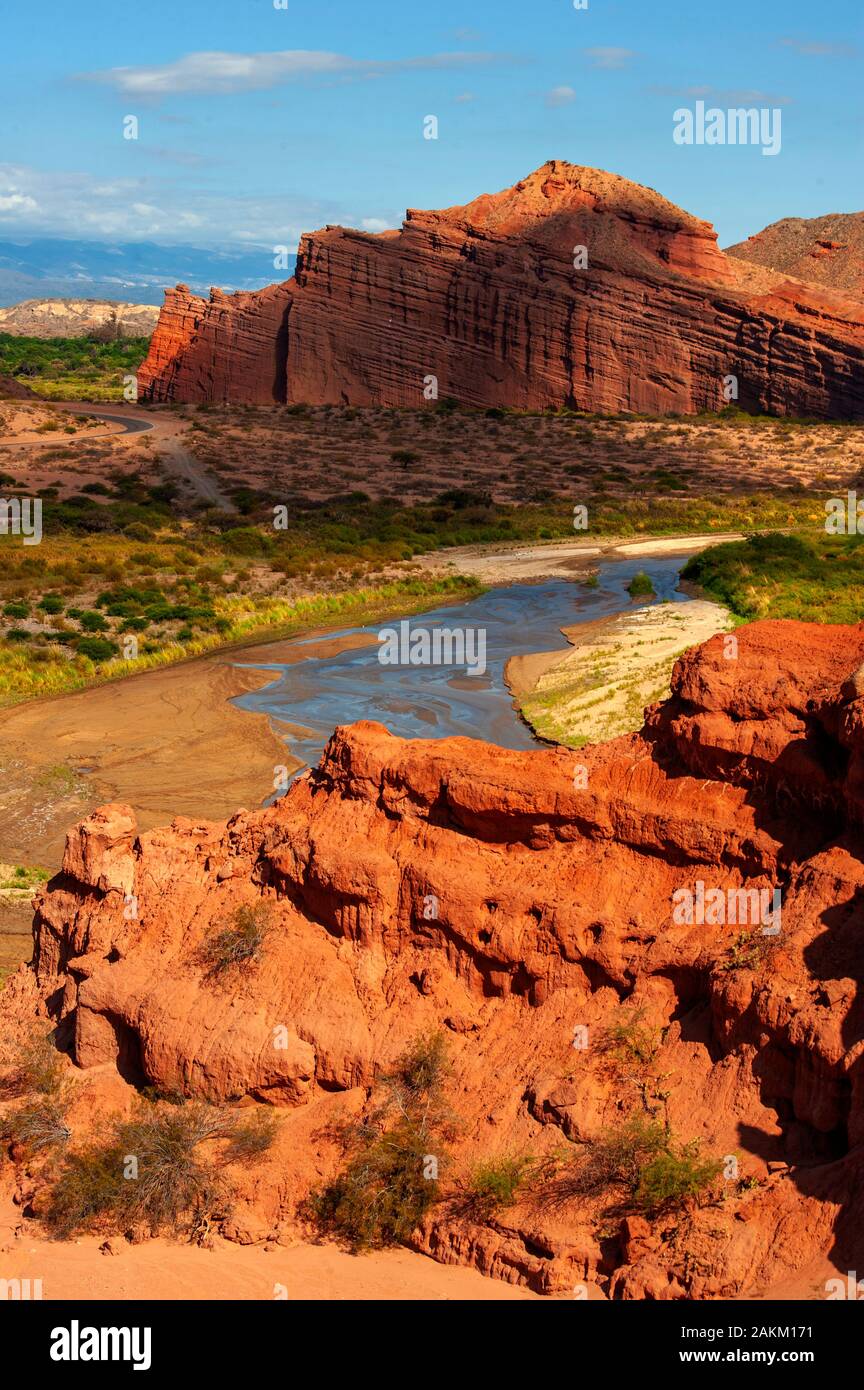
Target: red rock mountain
(827,250)
(487,300)
(554,913)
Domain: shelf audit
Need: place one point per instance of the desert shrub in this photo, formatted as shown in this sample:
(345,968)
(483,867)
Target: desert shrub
(615,1159)
(640,1164)
(404,457)
(41,1124)
(91,621)
(251,1137)
(34,1065)
(394,1155)
(96,648)
(671,1178)
(237,941)
(495,1183)
(152,1171)
(630,1039)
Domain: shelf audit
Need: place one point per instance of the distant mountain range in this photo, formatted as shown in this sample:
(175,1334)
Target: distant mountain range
(105,319)
(132,272)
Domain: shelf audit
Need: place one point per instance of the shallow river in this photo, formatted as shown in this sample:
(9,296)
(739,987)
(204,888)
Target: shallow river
(439,701)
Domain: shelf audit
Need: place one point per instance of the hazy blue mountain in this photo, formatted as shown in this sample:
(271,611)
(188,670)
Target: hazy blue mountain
(133,272)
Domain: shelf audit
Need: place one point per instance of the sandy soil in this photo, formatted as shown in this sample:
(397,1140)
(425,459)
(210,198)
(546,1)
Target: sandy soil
(158,1270)
(599,688)
(25,423)
(166,742)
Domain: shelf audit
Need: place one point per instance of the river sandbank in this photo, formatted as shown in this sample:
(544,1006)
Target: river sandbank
(521,564)
(598,687)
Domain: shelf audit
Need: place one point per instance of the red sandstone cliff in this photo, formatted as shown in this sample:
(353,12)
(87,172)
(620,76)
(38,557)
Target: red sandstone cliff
(554,910)
(486,299)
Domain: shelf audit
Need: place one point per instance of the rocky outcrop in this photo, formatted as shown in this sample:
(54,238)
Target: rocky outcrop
(573,288)
(526,903)
(231,347)
(78,318)
(826,250)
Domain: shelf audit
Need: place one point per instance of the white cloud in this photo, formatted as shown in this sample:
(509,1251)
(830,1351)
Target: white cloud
(13,204)
(375,224)
(726,96)
(813,49)
(246,72)
(610,57)
(560,96)
(63,204)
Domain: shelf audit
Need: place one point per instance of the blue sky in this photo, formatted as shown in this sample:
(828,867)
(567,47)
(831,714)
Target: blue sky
(256,123)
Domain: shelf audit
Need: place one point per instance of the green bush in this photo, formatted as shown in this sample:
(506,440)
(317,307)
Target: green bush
(670,1179)
(640,586)
(96,648)
(92,621)
(814,578)
(495,1183)
(641,1163)
(616,1158)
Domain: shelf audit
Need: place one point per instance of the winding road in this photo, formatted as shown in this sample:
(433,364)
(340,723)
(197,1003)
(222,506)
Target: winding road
(168,430)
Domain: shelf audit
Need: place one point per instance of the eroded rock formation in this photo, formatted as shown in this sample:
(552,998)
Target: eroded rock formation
(551,877)
(574,288)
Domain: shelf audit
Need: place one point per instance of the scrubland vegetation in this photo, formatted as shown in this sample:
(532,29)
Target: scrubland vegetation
(813,577)
(72,369)
(399,1162)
